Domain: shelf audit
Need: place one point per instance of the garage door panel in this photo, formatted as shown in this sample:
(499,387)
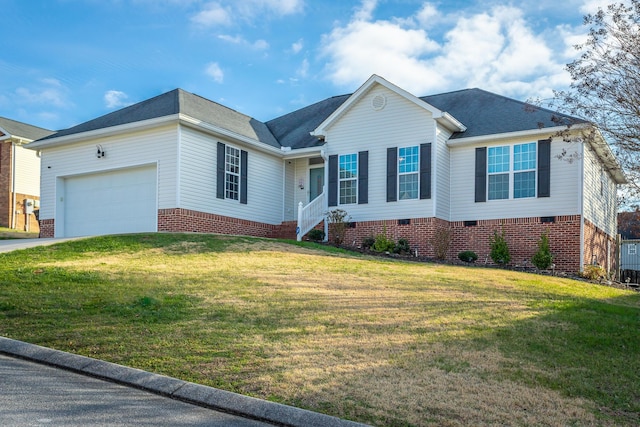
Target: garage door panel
(122,201)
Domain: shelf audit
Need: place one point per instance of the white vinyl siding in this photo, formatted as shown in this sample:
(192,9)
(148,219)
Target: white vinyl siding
(565,187)
(599,194)
(400,123)
(27,175)
(198,180)
(157,146)
(441,181)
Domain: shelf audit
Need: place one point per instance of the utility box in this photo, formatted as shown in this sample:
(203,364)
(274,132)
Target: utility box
(29,204)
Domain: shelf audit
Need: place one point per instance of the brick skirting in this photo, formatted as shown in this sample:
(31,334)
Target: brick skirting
(522,235)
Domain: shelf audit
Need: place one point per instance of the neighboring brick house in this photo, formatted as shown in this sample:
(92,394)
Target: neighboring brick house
(468,162)
(19,174)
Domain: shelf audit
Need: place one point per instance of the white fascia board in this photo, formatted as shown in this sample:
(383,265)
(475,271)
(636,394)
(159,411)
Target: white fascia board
(544,132)
(103,132)
(222,132)
(321,130)
(304,152)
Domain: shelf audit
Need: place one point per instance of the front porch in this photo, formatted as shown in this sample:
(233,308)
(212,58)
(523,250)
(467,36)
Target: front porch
(305,200)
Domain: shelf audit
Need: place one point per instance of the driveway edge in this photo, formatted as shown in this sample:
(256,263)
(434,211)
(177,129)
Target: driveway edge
(208,397)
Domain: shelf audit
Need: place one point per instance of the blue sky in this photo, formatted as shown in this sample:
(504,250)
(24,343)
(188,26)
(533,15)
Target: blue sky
(63,62)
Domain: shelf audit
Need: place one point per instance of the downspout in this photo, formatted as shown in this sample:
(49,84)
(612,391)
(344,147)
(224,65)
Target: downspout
(323,154)
(581,203)
(13,185)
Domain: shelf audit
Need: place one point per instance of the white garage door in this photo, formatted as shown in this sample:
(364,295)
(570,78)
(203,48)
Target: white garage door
(121,201)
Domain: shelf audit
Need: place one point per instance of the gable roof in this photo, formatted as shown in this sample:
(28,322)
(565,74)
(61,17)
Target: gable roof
(175,102)
(486,113)
(442,117)
(14,129)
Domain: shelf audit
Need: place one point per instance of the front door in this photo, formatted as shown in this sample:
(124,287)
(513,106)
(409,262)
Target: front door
(316,182)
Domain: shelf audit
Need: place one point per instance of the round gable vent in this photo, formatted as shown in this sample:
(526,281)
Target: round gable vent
(378,102)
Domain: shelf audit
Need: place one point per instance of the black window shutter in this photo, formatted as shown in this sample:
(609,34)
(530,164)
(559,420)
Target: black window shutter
(243,176)
(333,181)
(363,177)
(220,171)
(481,174)
(392,174)
(544,168)
(425,171)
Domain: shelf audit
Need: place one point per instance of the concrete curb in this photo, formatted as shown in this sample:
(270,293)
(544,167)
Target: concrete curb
(208,397)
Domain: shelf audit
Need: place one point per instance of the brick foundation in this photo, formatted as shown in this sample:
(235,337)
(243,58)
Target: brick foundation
(522,235)
(185,220)
(47,228)
(599,248)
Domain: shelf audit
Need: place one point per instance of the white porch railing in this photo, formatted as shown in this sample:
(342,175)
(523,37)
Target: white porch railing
(309,216)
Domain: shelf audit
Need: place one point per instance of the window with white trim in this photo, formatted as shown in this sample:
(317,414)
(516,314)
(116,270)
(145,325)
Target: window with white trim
(632,249)
(408,172)
(232,173)
(512,176)
(348,179)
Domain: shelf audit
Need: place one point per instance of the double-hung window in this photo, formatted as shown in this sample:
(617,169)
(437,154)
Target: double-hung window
(512,175)
(232,173)
(498,161)
(348,178)
(632,249)
(408,172)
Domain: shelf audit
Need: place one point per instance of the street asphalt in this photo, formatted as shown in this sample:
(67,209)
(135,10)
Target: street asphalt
(40,386)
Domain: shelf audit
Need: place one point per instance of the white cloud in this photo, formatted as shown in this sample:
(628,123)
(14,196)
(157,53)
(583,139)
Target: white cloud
(215,72)
(303,70)
(50,92)
(229,12)
(496,49)
(297,46)
(239,40)
(213,14)
(116,99)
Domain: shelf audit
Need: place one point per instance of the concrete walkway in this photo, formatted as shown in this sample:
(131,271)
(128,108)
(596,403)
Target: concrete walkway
(34,389)
(15,244)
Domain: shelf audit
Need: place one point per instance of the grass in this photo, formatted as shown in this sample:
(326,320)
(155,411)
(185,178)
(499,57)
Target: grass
(374,340)
(9,233)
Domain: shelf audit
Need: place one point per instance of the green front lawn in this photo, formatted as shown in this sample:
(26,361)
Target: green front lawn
(369,339)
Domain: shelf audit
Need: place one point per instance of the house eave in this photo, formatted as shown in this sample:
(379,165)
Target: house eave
(103,132)
(543,132)
(153,123)
(300,153)
(225,133)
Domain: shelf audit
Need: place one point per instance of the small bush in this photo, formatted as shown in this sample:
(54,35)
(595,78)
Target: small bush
(368,242)
(402,247)
(316,235)
(383,244)
(468,256)
(543,258)
(594,272)
(339,220)
(440,242)
(499,249)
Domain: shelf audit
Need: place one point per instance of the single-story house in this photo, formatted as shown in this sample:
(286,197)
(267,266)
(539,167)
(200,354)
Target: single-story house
(19,175)
(468,162)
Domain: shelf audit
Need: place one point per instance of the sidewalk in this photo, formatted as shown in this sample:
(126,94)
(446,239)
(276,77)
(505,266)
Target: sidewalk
(222,407)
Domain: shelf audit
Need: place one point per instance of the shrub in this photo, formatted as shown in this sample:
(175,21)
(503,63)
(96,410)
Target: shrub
(440,242)
(402,247)
(367,242)
(594,272)
(468,256)
(543,258)
(383,244)
(499,248)
(339,220)
(316,235)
